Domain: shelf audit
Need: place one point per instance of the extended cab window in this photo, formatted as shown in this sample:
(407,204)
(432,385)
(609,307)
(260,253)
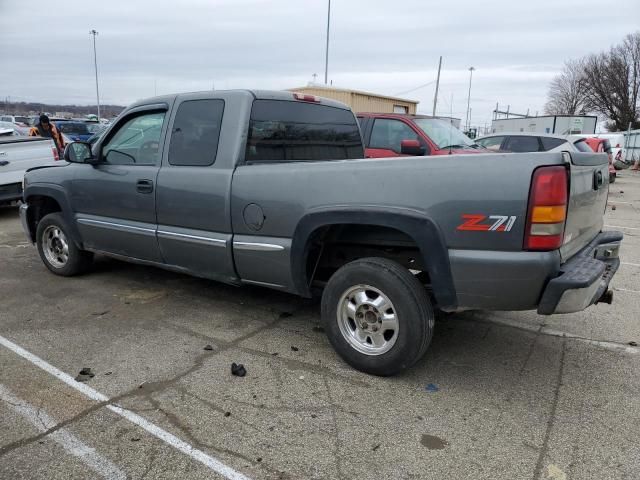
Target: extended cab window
(297,131)
(388,134)
(195,133)
(136,142)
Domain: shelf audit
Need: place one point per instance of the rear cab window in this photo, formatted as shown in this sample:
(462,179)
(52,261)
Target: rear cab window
(290,131)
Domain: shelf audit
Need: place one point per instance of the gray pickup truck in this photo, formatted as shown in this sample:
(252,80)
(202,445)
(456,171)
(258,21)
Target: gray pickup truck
(270,189)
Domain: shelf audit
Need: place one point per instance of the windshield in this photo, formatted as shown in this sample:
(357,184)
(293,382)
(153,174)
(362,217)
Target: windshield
(74,128)
(443,133)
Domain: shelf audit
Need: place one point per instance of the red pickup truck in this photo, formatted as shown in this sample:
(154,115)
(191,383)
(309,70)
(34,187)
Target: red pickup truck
(393,135)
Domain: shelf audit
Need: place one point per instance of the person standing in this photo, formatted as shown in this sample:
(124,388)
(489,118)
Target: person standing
(44,128)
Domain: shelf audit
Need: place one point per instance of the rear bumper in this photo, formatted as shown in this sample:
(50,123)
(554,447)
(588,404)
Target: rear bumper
(585,278)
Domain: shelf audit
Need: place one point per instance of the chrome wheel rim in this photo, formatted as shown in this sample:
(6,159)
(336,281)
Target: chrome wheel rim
(55,246)
(368,320)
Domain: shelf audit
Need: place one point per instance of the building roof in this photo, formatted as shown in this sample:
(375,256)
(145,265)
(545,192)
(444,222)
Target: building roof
(348,90)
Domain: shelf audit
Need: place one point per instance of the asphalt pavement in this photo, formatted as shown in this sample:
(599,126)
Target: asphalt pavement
(506,395)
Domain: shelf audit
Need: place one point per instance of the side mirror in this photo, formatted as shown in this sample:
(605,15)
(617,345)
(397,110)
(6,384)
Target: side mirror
(411,147)
(79,152)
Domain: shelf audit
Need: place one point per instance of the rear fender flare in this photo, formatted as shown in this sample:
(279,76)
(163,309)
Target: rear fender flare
(422,229)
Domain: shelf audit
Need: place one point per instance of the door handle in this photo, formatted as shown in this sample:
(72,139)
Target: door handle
(144,186)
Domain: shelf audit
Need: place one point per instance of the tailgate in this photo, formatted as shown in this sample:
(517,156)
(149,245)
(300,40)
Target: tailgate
(21,154)
(589,189)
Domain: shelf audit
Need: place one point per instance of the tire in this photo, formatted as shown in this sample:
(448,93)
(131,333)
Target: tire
(354,293)
(57,250)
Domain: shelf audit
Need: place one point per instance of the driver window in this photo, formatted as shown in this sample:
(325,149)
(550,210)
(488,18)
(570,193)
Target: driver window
(136,142)
(388,134)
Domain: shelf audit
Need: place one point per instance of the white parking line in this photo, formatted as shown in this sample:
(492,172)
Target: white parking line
(622,203)
(62,437)
(631,264)
(619,226)
(170,439)
(618,289)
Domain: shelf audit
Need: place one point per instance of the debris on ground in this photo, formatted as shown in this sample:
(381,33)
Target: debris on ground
(259,459)
(99,314)
(274,354)
(135,439)
(375,447)
(238,370)
(85,375)
(285,315)
(318,329)
(633,344)
(227,414)
(208,348)
(613,207)
(431,387)
(108,373)
(294,349)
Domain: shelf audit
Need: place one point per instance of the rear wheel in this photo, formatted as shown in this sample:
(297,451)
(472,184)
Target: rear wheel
(57,251)
(377,316)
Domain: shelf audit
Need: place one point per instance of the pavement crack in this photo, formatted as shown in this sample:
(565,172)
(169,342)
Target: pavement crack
(552,416)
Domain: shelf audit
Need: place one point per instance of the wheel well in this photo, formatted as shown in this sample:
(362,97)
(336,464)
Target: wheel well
(331,247)
(40,206)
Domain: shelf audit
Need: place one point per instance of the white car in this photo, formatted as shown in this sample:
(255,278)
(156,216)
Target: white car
(521,142)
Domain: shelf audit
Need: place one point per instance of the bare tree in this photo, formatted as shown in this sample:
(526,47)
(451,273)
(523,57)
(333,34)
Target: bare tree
(612,82)
(567,91)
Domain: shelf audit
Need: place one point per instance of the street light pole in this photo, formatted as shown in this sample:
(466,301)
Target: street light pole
(326,53)
(95,64)
(471,69)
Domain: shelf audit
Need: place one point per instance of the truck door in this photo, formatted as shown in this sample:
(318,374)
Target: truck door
(194,183)
(114,201)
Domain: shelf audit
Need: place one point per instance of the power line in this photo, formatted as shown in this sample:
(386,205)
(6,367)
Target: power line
(416,88)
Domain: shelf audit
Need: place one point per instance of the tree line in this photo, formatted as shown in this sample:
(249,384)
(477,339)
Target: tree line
(607,83)
(24,108)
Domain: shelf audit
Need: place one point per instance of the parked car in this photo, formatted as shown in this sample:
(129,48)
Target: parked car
(270,189)
(520,142)
(18,154)
(392,135)
(77,131)
(21,120)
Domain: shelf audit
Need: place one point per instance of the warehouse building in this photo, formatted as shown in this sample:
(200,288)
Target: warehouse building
(362,101)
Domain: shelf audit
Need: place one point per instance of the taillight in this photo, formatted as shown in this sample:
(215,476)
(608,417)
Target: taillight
(547,209)
(56,157)
(306,98)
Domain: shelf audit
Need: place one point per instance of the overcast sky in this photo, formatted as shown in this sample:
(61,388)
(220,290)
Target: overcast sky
(387,47)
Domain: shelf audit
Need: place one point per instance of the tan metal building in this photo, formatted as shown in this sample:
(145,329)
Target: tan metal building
(362,101)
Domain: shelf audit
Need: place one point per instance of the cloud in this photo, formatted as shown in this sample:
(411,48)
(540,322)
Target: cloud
(386,47)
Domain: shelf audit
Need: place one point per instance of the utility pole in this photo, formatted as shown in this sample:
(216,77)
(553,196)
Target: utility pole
(471,69)
(435,96)
(95,64)
(326,53)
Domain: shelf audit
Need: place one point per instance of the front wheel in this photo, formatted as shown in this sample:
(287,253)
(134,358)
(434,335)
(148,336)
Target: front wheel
(377,315)
(56,248)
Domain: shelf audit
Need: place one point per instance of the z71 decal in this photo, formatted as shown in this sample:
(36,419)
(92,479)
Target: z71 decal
(476,223)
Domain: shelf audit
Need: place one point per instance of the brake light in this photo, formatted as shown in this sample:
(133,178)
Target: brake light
(56,157)
(306,98)
(547,209)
